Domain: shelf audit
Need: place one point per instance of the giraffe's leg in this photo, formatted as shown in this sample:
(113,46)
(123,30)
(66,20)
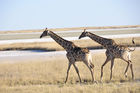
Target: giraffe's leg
(128,63)
(106,61)
(131,67)
(90,67)
(125,73)
(68,72)
(77,71)
(112,64)
(91,73)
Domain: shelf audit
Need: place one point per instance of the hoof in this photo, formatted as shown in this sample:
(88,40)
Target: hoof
(94,82)
(125,75)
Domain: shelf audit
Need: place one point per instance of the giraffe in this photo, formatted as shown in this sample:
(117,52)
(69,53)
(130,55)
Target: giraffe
(113,51)
(74,53)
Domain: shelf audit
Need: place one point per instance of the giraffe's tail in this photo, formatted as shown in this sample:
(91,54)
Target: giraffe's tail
(133,42)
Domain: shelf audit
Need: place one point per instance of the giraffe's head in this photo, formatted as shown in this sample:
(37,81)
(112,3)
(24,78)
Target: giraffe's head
(84,34)
(45,33)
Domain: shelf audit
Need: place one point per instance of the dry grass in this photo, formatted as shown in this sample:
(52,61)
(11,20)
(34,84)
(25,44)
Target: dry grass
(54,46)
(48,77)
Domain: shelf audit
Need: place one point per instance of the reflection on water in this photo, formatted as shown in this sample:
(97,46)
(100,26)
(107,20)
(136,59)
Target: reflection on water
(35,50)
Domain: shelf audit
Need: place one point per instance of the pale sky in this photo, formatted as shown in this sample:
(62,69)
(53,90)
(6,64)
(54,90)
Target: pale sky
(39,14)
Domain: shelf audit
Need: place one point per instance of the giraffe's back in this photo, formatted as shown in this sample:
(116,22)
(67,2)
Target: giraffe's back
(79,50)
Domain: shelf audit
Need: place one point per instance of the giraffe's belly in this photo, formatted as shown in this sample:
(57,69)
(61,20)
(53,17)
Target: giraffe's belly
(79,56)
(115,53)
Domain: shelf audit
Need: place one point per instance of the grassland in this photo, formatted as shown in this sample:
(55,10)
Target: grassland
(48,76)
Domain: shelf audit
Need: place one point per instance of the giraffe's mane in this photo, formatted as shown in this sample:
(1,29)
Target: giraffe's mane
(59,37)
(100,36)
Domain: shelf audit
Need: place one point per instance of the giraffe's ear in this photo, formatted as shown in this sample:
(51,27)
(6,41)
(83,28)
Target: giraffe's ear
(46,29)
(84,30)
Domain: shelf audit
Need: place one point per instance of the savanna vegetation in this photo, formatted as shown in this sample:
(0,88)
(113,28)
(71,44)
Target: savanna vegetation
(48,76)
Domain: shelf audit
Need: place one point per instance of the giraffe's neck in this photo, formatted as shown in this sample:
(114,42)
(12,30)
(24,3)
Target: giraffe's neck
(103,41)
(67,45)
